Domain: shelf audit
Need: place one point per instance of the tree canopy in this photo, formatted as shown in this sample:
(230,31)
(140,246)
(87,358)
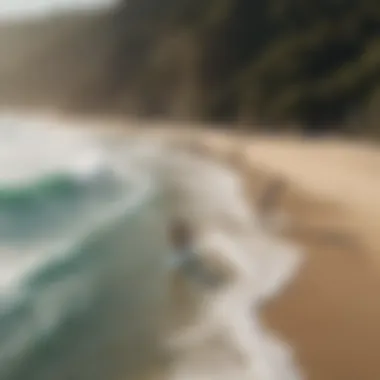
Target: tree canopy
(308,63)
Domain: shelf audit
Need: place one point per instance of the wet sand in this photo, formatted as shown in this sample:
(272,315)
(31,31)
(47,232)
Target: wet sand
(330,314)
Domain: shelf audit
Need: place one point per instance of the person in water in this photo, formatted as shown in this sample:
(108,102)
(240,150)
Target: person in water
(186,259)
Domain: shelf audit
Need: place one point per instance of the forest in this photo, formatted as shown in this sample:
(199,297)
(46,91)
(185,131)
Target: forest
(312,65)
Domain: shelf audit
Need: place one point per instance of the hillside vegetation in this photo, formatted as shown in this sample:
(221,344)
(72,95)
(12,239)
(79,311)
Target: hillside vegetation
(283,63)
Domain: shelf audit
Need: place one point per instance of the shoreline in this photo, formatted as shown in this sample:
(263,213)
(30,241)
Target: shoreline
(330,313)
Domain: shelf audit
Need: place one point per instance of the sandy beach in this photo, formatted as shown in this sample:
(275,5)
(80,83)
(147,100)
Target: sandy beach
(330,314)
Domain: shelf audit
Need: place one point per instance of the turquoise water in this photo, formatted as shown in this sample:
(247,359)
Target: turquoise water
(82,259)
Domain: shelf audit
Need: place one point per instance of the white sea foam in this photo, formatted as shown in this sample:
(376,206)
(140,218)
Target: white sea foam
(30,151)
(227,341)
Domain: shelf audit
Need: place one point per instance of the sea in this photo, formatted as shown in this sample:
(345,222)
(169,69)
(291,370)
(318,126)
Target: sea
(83,254)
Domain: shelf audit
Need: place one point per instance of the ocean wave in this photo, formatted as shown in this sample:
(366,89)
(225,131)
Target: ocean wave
(72,221)
(30,152)
(91,282)
(51,180)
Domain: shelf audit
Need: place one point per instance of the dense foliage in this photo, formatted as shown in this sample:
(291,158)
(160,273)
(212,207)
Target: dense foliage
(308,62)
(284,63)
